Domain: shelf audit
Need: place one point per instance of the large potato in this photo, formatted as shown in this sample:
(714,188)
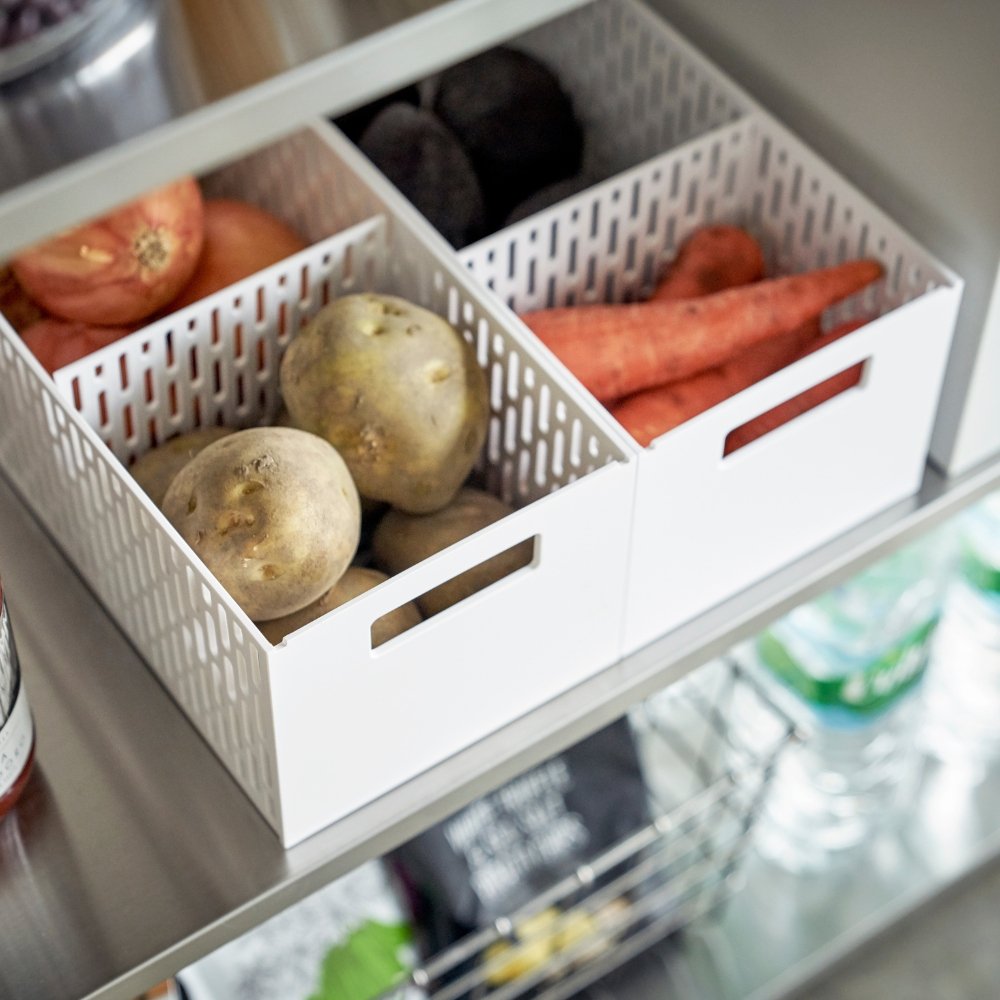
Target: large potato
(396,390)
(355,581)
(272,512)
(155,470)
(402,540)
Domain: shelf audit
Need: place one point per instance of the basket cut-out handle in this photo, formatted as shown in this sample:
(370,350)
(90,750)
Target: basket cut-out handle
(795,406)
(363,614)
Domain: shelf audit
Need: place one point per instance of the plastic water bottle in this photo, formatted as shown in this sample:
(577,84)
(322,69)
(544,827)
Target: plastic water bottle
(845,666)
(961,699)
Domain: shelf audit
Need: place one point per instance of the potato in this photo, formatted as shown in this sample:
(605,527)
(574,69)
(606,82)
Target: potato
(155,470)
(272,512)
(356,580)
(396,390)
(402,540)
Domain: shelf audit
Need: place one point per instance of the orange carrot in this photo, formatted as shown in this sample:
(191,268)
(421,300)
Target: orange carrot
(615,350)
(710,259)
(651,412)
(804,401)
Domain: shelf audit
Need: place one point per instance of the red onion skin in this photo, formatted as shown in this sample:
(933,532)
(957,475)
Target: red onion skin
(122,267)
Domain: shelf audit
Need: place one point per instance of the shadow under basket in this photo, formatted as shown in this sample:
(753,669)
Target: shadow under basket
(705,785)
(324,723)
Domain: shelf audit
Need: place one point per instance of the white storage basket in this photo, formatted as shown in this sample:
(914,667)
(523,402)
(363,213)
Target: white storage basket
(318,726)
(706,526)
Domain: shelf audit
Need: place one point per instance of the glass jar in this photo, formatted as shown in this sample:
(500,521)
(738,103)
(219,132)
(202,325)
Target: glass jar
(17,731)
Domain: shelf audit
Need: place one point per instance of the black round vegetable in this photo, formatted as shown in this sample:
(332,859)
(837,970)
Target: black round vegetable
(425,161)
(353,123)
(518,126)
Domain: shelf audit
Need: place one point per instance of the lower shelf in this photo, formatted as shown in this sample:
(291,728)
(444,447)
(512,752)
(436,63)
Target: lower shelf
(787,936)
(704,786)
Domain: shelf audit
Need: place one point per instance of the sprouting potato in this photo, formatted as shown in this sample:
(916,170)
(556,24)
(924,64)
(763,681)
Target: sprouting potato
(396,390)
(155,470)
(272,512)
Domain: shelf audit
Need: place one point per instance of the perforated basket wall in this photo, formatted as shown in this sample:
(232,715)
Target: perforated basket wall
(322,724)
(637,86)
(706,524)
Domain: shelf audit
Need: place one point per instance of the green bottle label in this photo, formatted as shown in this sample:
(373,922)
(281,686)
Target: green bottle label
(979,573)
(863,692)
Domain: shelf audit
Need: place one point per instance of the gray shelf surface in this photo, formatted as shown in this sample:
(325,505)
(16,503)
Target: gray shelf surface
(133,853)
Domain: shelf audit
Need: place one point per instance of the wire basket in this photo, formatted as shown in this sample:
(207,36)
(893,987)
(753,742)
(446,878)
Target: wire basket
(705,784)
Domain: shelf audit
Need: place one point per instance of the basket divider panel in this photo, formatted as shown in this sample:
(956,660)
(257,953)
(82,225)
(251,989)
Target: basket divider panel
(613,242)
(538,438)
(217,361)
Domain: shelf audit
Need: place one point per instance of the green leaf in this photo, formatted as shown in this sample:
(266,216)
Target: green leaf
(366,964)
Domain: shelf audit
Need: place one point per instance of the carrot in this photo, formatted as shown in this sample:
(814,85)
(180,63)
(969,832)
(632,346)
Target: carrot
(615,350)
(651,412)
(710,259)
(804,401)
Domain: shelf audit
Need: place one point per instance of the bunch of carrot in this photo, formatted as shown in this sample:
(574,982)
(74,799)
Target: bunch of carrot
(713,326)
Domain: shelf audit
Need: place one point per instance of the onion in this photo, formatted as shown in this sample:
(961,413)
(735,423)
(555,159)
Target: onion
(17,307)
(240,239)
(122,267)
(57,343)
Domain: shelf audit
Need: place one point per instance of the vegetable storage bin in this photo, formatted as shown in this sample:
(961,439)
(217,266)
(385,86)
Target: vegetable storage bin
(707,525)
(323,723)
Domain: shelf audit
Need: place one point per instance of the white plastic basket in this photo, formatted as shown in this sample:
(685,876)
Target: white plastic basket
(706,526)
(318,726)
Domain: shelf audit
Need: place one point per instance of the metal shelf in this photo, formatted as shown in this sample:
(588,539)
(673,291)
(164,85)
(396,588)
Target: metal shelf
(136,853)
